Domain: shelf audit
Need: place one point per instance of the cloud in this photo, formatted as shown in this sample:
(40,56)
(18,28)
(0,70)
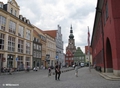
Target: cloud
(47,14)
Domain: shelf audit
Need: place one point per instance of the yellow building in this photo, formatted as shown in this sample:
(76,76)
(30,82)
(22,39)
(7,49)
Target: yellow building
(50,49)
(16,35)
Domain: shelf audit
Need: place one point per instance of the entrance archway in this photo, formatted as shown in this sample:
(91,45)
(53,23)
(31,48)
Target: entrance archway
(109,63)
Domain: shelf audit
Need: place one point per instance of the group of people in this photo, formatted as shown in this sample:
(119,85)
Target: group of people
(6,70)
(58,71)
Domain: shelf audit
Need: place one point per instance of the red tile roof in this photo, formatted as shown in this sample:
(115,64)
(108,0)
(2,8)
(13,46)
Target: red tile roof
(52,33)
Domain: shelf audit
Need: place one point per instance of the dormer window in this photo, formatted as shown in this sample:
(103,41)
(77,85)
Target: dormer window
(1,5)
(20,17)
(11,10)
(27,21)
(24,19)
(15,12)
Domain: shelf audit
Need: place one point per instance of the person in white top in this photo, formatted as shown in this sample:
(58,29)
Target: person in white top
(76,70)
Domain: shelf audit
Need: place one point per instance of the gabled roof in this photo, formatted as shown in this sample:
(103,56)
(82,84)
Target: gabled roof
(38,29)
(68,52)
(14,3)
(52,33)
(78,52)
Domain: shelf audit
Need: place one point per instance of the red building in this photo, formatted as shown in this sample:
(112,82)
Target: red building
(106,36)
(69,58)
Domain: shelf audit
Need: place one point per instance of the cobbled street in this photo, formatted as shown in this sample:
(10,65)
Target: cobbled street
(40,79)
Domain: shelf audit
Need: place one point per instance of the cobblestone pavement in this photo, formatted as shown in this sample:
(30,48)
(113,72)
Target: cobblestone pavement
(40,79)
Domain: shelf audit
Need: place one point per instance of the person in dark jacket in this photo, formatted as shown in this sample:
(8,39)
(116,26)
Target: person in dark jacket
(57,71)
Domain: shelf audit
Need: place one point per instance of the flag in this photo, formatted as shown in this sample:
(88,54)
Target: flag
(88,37)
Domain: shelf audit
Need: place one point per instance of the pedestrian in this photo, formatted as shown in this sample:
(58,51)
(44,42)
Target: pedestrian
(10,71)
(57,71)
(76,70)
(49,71)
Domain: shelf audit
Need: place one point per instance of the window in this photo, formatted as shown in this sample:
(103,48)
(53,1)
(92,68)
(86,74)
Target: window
(1,5)
(12,27)
(2,36)
(15,12)
(34,54)
(35,46)
(11,43)
(28,34)
(20,63)
(27,48)
(11,10)
(27,63)
(39,55)
(21,31)
(2,23)
(39,47)
(20,46)
(66,58)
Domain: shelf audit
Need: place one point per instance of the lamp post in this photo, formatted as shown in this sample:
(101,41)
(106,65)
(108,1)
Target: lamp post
(0,65)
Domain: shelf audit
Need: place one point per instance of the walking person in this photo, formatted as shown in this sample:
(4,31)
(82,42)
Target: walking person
(57,71)
(76,70)
(49,71)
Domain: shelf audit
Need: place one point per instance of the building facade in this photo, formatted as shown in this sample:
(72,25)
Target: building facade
(59,46)
(69,58)
(37,50)
(87,55)
(105,38)
(43,43)
(16,34)
(79,56)
(57,35)
(50,50)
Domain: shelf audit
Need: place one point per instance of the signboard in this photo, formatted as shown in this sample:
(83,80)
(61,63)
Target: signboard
(16,58)
(47,57)
(3,59)
(56,57)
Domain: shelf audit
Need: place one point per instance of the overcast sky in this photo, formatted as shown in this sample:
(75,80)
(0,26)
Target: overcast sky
(47,14)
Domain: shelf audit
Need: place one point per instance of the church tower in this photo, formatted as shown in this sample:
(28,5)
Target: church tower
(71,42)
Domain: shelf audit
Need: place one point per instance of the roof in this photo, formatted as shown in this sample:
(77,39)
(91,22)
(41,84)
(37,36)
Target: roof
(52,33)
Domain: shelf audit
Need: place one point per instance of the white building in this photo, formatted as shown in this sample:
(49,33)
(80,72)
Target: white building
(59,46)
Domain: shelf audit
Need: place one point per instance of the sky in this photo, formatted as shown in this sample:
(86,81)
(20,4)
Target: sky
(47,14)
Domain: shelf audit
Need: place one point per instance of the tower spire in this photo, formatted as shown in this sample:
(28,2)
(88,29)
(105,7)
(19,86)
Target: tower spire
(71,27)
(71,33)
